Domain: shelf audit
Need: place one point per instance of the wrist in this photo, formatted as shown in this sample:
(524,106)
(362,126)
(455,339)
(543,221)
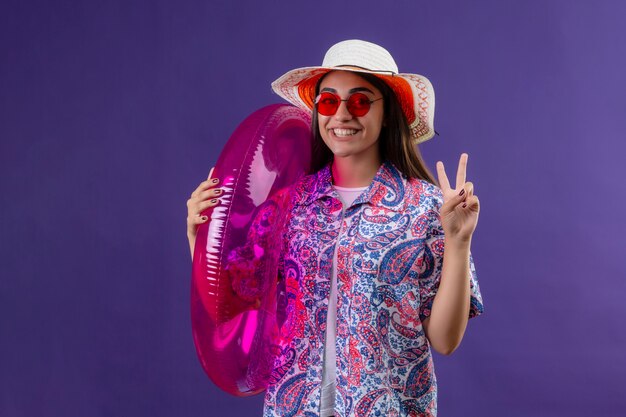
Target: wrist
(458,243)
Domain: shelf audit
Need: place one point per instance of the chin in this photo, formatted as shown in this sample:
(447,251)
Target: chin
(341,153)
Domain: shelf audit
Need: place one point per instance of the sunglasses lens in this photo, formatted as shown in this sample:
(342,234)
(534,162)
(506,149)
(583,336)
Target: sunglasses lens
(358,104)
(327,104)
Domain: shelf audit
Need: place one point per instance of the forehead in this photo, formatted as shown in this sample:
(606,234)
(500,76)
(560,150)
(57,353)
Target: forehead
(342,81)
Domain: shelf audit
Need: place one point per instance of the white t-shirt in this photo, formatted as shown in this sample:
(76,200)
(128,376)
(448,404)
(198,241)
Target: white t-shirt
(329,375)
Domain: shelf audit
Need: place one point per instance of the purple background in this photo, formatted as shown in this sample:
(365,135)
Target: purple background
(112,112)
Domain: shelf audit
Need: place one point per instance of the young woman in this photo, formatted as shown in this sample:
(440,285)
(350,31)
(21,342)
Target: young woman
(368,287)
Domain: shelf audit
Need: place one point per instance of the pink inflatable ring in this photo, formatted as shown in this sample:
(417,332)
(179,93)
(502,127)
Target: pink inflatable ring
(233,294)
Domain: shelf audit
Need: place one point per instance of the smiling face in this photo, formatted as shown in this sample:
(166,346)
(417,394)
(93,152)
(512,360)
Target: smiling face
(347,135)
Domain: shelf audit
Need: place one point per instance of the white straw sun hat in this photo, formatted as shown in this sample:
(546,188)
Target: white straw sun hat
(414,92)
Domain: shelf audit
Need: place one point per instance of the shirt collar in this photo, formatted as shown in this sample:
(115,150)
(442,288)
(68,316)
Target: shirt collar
(386,190)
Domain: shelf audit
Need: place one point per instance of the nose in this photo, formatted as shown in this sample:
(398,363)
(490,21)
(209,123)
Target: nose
(342,112)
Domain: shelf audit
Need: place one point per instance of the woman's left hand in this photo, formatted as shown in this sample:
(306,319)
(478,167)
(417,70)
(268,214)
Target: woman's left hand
(459,213)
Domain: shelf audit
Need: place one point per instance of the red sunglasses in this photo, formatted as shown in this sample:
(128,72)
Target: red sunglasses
(358,104)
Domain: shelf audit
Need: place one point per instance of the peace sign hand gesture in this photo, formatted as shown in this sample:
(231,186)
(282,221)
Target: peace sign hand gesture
(459,213)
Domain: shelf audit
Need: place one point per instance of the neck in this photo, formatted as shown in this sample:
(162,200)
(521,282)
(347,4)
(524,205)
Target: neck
(354,172)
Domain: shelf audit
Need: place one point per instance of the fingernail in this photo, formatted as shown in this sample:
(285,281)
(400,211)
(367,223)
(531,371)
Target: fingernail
(464,205)
(214,180)
(218,191)
(204,217)
(214,200)
(462,191)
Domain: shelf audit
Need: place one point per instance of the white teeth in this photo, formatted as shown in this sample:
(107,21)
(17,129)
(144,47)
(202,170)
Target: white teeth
(344,132)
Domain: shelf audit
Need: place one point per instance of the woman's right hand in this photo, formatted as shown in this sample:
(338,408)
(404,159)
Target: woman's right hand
(203,197)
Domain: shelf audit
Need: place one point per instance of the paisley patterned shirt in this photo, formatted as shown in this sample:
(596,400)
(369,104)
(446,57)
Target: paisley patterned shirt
(388,270)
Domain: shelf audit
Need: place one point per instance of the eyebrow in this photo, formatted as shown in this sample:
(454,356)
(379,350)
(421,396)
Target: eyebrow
(352,90)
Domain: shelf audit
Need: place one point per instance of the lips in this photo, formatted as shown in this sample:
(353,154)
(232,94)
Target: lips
(343,132)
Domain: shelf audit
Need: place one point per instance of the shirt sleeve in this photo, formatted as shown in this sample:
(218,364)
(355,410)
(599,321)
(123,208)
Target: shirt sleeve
(246,264)
(253,266)
(432,262)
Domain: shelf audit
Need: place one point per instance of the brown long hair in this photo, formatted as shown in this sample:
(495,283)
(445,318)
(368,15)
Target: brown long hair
(394,142)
